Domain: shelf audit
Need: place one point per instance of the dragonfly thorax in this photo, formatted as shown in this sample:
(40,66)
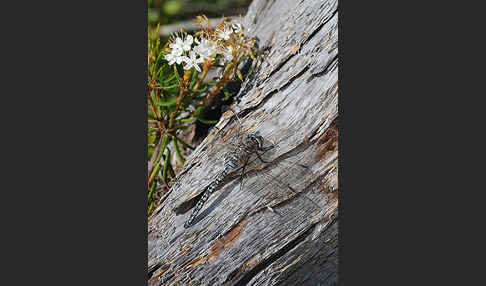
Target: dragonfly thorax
(253,142)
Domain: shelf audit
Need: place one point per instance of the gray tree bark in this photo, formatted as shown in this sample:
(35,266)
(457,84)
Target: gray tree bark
(291,99)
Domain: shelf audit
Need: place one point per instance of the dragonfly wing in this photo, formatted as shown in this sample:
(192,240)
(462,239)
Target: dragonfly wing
(277,182)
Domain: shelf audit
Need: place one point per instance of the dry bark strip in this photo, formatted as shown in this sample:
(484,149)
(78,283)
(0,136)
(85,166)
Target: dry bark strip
(290,98)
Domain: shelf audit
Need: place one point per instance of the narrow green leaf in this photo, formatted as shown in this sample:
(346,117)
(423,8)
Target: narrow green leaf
(176,73)
(172,77)
(198,110)
(168,87)
(159,56)
(208,122)
(197,90)
(150,208)
(184,143)
(193,78)
(154,182)
(178,152)
(171,101)
(166,163)
(227,94)
(188,119)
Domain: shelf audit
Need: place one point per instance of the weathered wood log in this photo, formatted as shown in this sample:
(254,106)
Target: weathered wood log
(290,99)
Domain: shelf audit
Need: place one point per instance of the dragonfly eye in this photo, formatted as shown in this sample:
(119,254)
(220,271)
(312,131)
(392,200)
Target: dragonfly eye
(257,140)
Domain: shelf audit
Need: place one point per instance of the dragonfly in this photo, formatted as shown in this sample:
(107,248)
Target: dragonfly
(242,149)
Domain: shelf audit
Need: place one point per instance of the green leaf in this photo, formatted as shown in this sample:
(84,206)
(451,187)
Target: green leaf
(166,163)
(208,122)
(197,91)
(171,101)
(159,56)
(198,110)
(187,119)
(178,152)
(184,143)
(166,72)
(169,86)
(176,72)
(193,79)
(151,129)
(227,94)
(169,79)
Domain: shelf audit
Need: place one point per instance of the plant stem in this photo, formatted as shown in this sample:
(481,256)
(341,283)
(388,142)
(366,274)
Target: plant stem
(155,154)
(149,198)
(179,100)
(154,174)
(184,143)
(221,83)
(165,141)
(166,163)
(150,208)
(178,152)
(206,67)
(156,114)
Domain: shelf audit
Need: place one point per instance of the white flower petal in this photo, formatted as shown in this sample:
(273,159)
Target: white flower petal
(170,58)
(188,40)
(225,33)
(177,51)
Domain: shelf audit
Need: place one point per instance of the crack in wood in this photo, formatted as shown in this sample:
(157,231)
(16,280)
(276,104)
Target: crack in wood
(318,29)
(290,56)
(328,141)
(266,262)
(244,112)
(243,217)
(153,268)
(329,66)
(313,257)
(248,110)
(226,240)
(185,170)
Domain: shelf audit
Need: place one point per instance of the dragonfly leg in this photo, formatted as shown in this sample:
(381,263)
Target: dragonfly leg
(239,125)
(243,174)
(260,158)
(265,149)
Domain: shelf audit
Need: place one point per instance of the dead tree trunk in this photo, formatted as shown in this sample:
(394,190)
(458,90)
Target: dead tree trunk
(290,98)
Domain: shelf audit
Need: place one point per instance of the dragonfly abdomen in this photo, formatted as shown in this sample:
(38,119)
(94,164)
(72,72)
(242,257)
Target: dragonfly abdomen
(232,161)
(230,164)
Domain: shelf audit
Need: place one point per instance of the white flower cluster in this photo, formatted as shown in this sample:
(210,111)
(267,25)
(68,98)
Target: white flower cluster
(178,47)
(205,48)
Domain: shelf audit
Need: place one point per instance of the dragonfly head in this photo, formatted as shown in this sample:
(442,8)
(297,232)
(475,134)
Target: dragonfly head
(256,140)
